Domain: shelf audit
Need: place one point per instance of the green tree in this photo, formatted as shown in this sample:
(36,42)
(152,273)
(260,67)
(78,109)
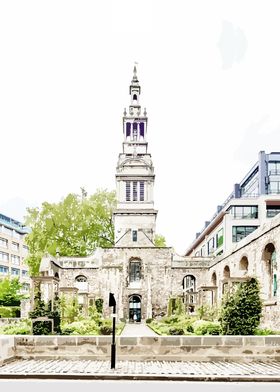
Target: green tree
(241,309)
(76,226)
(10,292)
(160,241)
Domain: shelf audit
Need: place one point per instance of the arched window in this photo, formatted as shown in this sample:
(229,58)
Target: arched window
(270,270)
(243,264)
(81,278)
(189,287)
(128,129)
(56,275)
(81,283)
(189,282)
(134,97)
(226,272)
(134,271)
(214,279)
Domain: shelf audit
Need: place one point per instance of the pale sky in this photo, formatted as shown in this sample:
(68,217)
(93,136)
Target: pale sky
(209,72)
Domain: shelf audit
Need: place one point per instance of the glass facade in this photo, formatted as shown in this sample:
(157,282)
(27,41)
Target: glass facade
(250,187)
(244,212)
(271,211)
(240,232)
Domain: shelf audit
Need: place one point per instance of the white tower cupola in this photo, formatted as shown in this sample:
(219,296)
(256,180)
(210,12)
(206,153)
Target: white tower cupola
(135,216)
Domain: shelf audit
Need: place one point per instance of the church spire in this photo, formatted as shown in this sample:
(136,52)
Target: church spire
(134,90)
(134,79)
(134,121)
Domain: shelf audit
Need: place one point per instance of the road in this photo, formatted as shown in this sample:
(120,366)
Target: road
(135,386)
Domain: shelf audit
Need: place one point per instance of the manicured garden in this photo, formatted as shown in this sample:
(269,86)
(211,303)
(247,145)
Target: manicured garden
(239,314)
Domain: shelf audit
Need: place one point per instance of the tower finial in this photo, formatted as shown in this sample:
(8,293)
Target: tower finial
(135,79)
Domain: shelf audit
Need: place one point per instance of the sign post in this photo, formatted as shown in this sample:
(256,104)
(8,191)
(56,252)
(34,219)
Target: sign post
(112,302)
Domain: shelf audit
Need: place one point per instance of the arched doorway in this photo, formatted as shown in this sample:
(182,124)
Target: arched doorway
(270,271)
(135,308)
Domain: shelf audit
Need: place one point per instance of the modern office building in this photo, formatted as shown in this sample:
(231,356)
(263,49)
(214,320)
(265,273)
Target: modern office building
(13,251)
(252,202)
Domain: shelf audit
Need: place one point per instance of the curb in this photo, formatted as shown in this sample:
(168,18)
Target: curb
(141,377)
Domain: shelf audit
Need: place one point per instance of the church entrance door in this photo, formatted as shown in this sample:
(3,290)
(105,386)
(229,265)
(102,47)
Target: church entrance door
(135,309)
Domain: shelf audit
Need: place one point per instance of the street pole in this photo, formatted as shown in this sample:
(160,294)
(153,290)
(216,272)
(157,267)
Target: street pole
(112,302)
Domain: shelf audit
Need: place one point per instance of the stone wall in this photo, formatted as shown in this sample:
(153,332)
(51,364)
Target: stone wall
(7,348)
(252,248)
(176,348)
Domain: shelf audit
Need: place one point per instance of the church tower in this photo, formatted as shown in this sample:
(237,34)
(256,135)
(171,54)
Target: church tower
(135,216)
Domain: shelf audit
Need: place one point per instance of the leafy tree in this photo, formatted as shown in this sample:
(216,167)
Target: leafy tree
(10,292)
(241,309)
(160,241)
(75,226)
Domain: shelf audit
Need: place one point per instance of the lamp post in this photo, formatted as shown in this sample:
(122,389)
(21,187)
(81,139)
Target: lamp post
(112,302)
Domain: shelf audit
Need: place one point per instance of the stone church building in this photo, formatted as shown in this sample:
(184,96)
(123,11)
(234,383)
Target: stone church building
(144,277)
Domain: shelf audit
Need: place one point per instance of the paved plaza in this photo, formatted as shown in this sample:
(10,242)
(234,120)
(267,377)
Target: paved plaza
(157,370)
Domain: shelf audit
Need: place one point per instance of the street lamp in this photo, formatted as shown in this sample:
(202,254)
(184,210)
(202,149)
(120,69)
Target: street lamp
(112,302)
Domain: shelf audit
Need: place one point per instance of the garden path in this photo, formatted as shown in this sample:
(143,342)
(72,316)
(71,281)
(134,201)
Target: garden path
(137,329)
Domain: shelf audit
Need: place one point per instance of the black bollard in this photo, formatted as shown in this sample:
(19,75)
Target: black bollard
(112,302)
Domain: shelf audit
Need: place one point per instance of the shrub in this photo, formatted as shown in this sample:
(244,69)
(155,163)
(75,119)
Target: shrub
(264,331)
(149,320)
(241,310)
(99,305)
(42,327)
(176,331)
(203,327)
(9,311)
(22,327)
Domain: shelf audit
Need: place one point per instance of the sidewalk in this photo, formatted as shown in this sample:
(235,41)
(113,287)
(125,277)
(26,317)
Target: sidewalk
(137,330)
(129,370)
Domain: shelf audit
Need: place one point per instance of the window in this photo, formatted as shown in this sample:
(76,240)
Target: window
(127,191)
(15,271)
(25,287)
(271,211)
(245,212)
(189,288)
(128,127)
(240,232)
(142,129)
(135,190)
(24,250)
(4,270)
(141,190)
(210,246)
(220,238)
(274,187)
(81,283)
(274,273)
(4,256)
(15,246)
(202,251)
(3,243)
(134,271)
(273,168)
(134,235)
(15,259)
(251,186)
(24,273)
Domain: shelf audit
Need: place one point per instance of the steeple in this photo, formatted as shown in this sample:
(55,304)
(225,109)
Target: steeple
(135,216)
(134,121)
